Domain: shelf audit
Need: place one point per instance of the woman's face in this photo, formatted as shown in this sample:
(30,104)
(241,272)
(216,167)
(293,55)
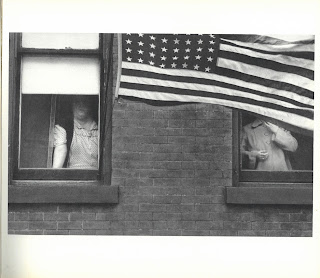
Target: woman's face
(81,108)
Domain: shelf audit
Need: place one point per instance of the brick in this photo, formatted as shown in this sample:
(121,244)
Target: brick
(166,216)
(109,232)
(139,182)
(167,182)
(180,208)
(173,165)
(195,233)
(166,233)
(209,190)
(234,216)
(297,217)
(181,139)
(167,199)
(135,199)
(230,225)
(109,216)
(21,216)
(181,123)
(209,225)
(196,216)
(18,225)
(56,232)
(82,232)
(138,232)
(160,225)
(210,208)
(183,225)
(251,233)
(143,216)
(131,225)
(11,216)
(265,226)
(117,225)
(45,225)
(291,226)
(30,232)
(56,216)
(125,173)
(140,165)
(74,216)
(300,233)
(96,225)
(36,216)
(198,199)
(223,233)
(278,233)
(139,114)
(179,173)
(270,217)
(145,225)
(152,173)
(167,132)
(152,207)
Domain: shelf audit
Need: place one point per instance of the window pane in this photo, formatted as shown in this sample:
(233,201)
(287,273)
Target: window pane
(56,75)
(35,122)
(267,147)
(60,41)
(59,131)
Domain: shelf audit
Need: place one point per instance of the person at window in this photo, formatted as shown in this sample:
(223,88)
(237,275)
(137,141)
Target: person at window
(265,145)
(81,150)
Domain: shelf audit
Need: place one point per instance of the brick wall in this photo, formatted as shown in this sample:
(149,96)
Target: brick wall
(172,163)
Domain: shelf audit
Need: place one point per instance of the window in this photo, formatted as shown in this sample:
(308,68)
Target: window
(281,175)
(60,95)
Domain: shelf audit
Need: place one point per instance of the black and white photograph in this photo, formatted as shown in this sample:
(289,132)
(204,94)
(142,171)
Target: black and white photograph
(161,134)
(166,146)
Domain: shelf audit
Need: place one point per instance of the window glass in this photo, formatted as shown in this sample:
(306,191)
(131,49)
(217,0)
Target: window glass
(264,146)
(60,41)
(57,75)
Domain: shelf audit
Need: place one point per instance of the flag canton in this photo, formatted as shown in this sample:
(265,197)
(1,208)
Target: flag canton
(171,51)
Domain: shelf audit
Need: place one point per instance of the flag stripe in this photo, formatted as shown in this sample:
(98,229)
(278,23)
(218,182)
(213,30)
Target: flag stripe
(212,85)
(273,75)
(292,119)
(152,88)
(267,64)
(279,58)
(299,51)
(276,85)
(230,77)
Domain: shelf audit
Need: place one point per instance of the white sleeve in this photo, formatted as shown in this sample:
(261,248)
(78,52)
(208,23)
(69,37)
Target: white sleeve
(60,136)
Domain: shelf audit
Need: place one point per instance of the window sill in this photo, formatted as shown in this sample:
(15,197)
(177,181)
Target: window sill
(269,195)
(62,193)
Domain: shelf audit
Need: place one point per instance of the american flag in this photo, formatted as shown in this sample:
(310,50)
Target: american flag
(270,77)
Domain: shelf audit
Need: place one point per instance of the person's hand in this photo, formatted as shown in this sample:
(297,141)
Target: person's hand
(272,127)
(260,155)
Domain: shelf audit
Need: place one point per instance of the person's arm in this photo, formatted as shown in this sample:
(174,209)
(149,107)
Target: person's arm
(59,156)
(60,147)
(283,138)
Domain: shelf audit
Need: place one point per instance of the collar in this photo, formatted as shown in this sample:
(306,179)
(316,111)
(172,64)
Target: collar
(93,125)
(256,123)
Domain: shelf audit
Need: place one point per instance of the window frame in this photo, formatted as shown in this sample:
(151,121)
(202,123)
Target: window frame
(44,185)
(264,187)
